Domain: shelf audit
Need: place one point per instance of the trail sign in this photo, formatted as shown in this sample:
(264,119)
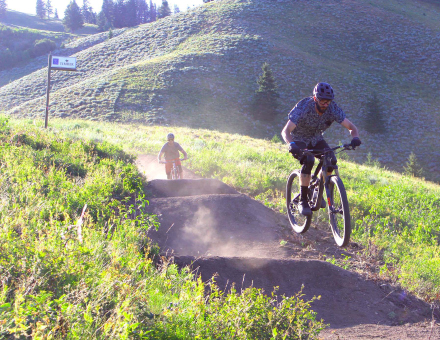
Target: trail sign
(63,63)
(59,64)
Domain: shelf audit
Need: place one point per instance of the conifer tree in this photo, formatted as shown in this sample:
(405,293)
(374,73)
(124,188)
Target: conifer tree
(142,13)
(87,12)
(73,19)
(176,9)
(375,120)
(153,14)
(49,8)
(412,166)
(130,14)
(265,101)
(55,15)
(3,8)
(164,9)
(40,9)
(119,13)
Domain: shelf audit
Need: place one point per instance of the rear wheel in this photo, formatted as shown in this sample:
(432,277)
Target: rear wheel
(299,222)
(339,214)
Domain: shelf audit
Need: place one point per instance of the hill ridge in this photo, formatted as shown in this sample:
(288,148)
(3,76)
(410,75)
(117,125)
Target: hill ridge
(218,91)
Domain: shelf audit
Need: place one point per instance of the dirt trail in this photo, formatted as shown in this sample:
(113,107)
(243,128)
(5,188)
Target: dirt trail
(216,230)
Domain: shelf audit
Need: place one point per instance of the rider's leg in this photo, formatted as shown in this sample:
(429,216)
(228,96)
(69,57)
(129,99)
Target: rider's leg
(306,174)
(168,170)
(179,167)
(304,180)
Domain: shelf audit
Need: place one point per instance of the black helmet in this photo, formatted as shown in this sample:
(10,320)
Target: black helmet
(170,136)
(323,91)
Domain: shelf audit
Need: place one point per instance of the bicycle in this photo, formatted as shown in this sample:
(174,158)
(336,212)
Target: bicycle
(337,203)
(175,174)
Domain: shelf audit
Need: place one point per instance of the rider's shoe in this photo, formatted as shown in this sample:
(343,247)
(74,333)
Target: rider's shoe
(304,208)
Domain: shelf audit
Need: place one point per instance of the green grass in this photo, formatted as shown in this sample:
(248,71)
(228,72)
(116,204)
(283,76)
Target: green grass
(101,279)
(394,216)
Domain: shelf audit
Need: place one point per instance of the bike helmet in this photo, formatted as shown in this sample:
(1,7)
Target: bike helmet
(170,136)
(323,91)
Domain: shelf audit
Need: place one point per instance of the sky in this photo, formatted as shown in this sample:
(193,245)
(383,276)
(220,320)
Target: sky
(28,6)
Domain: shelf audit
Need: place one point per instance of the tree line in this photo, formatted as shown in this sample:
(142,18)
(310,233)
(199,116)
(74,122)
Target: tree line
(115,14)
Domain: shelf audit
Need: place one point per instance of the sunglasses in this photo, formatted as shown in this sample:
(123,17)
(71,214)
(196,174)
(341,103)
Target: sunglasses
(324,101)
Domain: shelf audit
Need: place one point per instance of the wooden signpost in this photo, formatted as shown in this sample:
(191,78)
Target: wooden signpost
(58,64)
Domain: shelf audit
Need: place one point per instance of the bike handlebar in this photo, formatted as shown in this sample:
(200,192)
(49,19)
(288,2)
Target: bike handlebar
(164,162)
(322,151)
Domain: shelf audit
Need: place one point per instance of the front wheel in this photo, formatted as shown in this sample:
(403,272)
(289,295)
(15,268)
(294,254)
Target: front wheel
(299,223)
(174,173)
(339,212)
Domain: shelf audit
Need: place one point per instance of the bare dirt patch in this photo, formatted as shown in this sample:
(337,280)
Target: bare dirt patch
(219,232)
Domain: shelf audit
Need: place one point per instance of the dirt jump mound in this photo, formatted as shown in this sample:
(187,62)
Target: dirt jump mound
(215,230)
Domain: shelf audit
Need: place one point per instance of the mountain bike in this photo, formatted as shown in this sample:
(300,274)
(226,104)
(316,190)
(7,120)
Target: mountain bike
(337,203)
(175,174)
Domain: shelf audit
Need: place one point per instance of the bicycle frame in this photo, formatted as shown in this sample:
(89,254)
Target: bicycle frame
(322,167)
(174,170)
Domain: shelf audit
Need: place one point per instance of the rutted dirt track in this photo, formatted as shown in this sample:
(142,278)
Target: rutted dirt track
(216,230)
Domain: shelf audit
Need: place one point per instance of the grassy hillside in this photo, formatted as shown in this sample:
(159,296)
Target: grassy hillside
(395,217)
(76,262)
(24,38)
(20,19)
(199,69)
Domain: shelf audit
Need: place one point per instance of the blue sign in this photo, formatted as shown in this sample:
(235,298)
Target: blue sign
(55,61)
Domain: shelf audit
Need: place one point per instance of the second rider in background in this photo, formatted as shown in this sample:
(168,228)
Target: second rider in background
(171,151)
(307,122)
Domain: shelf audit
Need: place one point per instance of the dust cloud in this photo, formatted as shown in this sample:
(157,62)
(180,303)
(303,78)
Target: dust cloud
(151,168)
(205,231)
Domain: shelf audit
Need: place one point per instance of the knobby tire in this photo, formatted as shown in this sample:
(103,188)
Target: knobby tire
(300,224)
(340,221)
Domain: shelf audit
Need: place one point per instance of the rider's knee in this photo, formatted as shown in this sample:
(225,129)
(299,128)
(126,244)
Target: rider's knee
(307,162)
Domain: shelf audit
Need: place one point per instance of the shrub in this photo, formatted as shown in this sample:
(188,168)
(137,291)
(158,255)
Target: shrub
(43,46)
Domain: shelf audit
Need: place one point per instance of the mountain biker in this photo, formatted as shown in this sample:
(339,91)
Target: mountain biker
(171,152)
(307,122)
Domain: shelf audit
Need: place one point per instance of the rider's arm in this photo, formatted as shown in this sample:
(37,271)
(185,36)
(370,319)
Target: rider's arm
(159,156)
(350,127)
(290,126)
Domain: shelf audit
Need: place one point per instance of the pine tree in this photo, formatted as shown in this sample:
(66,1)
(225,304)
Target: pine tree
(176,9)
(164,9)
(265,101)
(56,14)
(102,22)
(142,14)
(153,13)
(3,8)
(131,13)
(49,8)
(73,19)
(40,9)
(375,120)
(87,12)
(119,13)
(108,11)
(413,167)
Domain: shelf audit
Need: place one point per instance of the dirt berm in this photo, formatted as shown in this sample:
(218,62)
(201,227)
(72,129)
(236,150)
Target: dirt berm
(217,231)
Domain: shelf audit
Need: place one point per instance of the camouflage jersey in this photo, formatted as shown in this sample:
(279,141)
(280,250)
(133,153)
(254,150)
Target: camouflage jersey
(310,126)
